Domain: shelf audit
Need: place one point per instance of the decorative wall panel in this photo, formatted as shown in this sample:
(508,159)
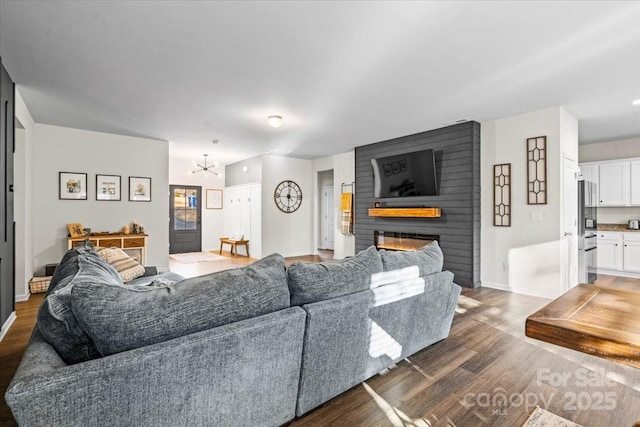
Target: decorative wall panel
(537,170)
(502,195)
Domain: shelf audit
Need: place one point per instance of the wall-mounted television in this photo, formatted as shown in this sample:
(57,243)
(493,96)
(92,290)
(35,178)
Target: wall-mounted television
(405,175)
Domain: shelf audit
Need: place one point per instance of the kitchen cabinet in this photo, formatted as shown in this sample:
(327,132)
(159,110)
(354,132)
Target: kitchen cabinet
(610,251)
(631,255)
(635,183)
(614,180)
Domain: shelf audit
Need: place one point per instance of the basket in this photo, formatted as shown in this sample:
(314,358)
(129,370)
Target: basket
(39,285)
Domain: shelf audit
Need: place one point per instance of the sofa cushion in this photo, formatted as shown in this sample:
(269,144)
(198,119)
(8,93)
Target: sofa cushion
(56,320)
(68,267)
(127,267)
(121,317)
(167,277)
(311,282)
(428,259)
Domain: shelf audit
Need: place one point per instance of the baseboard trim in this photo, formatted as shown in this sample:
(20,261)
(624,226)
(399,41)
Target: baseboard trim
(23,297)
(498,286)
(619,273)
(507,288)
(7,325)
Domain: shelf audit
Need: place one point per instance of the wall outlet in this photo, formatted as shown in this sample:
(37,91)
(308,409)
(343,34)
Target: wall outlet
(536,216)
(505,266)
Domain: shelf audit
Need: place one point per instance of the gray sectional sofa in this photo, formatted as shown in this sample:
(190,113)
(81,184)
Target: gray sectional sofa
(257,345)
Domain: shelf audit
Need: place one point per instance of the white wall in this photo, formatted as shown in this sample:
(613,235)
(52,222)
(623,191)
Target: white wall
(504,141)
(235,173)
(612,150)
(73,150)
(343,167)
(290,234)
(23,211)
(212,219)
(343,172)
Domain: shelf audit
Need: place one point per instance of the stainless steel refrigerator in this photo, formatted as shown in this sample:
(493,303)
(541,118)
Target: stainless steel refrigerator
(587,232)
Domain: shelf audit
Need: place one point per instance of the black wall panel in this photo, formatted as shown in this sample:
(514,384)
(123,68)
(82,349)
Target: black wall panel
(457,151)
(7,228)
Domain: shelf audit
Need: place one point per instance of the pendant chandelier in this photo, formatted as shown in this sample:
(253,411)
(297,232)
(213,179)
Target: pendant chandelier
(205,168)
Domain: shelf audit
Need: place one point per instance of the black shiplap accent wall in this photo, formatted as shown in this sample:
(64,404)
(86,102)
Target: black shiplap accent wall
(457,152)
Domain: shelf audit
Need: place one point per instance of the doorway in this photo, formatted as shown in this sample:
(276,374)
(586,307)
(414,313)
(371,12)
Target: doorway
(328,218)
(327,213)
(569,266)
(185,219)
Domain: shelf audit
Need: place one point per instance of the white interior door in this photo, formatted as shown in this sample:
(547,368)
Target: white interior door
(328,217)
(569,266)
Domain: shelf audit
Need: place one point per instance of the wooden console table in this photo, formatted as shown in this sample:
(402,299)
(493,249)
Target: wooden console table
(135,245)
(234,245)
(593,319)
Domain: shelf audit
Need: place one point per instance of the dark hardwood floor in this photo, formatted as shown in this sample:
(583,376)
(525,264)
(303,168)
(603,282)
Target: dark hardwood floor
(486,373)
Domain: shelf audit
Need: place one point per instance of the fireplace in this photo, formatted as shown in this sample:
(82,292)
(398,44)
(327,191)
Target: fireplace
(397,241)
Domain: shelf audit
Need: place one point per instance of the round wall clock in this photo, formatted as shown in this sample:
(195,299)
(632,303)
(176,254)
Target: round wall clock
(288,196)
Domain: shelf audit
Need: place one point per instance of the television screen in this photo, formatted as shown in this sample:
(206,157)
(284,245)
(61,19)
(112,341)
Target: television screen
(405,175)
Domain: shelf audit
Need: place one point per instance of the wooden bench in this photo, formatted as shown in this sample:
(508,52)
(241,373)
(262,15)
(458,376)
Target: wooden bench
(234,245)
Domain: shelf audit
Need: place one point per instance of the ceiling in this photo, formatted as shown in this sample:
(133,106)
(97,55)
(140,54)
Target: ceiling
(343,74)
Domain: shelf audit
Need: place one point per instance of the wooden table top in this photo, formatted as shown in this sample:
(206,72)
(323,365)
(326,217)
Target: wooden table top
(598,320)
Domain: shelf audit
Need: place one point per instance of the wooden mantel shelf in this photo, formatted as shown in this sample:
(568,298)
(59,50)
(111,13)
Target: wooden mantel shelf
(406,212)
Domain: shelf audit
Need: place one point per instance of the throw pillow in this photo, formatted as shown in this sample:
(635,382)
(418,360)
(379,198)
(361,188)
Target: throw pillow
(127,267)
(311,282)
(428,259)
(56,320)
(119,317)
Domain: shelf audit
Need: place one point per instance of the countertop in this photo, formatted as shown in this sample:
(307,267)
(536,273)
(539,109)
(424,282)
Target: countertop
(615,227)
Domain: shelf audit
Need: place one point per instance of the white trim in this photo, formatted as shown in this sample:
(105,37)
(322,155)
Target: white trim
(23,297)
(499,286)
(507,288)
(620,273)
(7,325)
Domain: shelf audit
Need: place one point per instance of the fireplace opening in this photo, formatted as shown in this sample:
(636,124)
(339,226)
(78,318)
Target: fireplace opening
(397,241)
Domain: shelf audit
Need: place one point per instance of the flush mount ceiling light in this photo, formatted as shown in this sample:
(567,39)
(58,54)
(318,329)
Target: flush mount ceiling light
(274,121)
(205,168)
(636,102)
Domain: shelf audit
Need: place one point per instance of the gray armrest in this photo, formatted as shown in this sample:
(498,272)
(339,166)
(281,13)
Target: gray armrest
(214,377)
(150,270)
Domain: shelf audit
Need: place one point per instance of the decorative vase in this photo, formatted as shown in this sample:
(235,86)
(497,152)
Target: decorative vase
(126,229)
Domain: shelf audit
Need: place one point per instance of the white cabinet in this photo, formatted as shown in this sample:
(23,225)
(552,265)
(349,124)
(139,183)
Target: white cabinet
(614,180)
(610,250)
(635,183)
(256,220)
(631,258)
(243,215)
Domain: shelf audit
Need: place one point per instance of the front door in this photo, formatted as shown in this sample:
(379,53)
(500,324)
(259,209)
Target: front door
(185,225)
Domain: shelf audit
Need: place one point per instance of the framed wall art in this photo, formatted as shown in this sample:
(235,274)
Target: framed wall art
(75,230)
(214,199)
(108,187)
(139,189)
(72,186)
